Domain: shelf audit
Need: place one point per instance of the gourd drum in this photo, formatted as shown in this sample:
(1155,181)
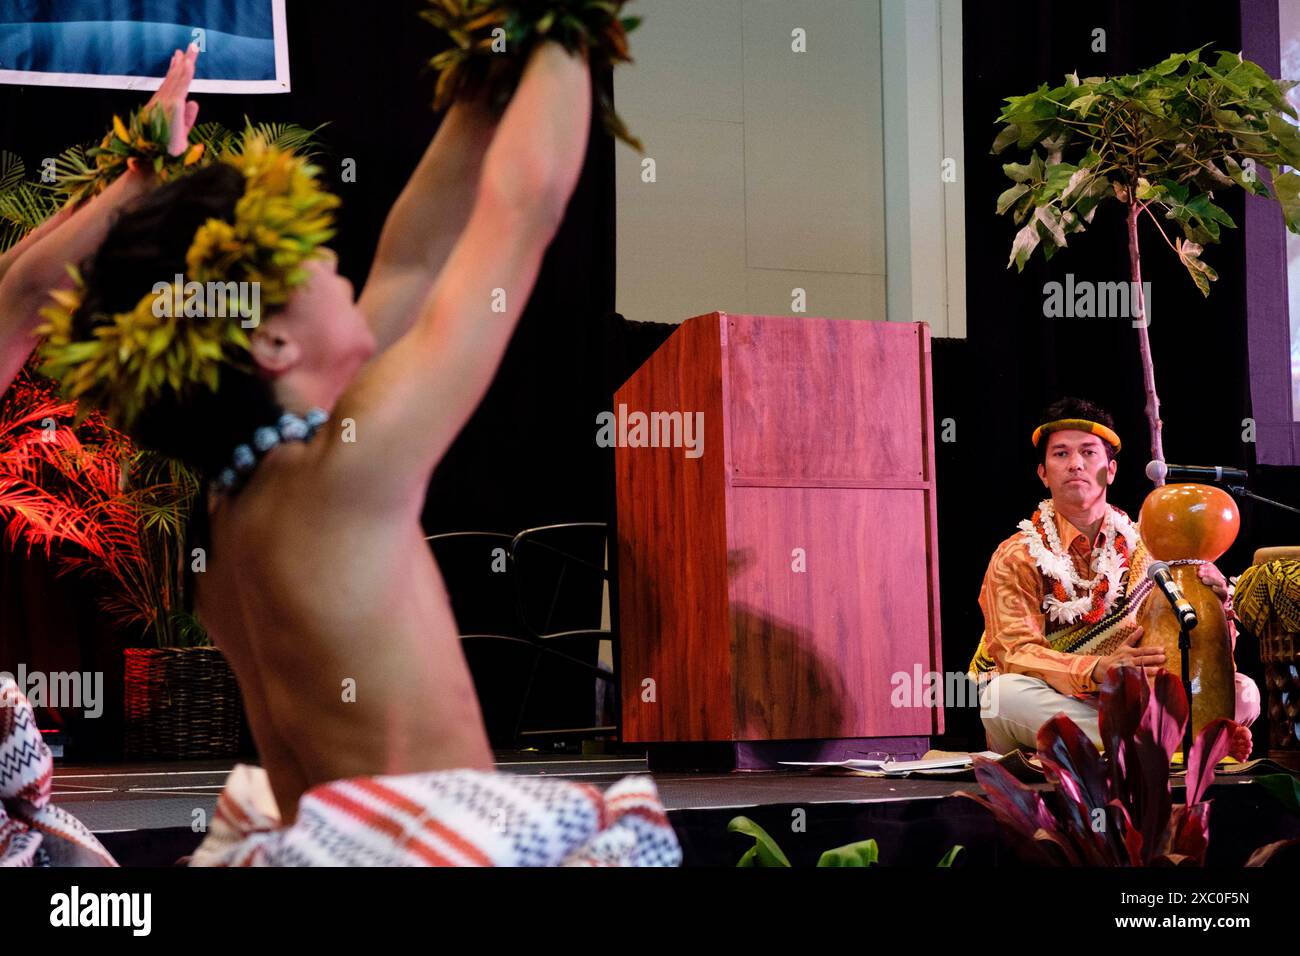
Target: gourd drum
(1180,522)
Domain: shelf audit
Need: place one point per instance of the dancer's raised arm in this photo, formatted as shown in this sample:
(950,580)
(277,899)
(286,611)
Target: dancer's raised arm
(426,221)
(414,399)
(72,236)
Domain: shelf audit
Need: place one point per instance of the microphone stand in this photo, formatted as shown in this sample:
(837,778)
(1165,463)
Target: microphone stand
(1185,650)
(1242,491)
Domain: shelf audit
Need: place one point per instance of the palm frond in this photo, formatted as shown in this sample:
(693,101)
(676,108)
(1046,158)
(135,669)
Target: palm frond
(114,512)
(213,135)
(288,136)
(12,170)
(72,168)
(189,632)
(24,205)
(27,205)
(10,236)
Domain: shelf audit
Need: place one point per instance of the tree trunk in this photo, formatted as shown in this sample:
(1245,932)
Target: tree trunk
(1144,342)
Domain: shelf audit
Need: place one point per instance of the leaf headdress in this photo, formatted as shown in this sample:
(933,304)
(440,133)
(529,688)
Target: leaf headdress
(180,335)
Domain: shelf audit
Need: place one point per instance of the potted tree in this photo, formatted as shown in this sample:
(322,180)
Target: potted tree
(1160,143)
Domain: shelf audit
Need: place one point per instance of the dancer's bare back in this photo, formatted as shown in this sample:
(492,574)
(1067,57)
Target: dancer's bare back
(336,622)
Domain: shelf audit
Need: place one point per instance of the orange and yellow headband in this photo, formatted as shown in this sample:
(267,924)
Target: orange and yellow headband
(1077,424)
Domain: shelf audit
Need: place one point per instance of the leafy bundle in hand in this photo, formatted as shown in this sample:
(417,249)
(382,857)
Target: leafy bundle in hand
(480,61)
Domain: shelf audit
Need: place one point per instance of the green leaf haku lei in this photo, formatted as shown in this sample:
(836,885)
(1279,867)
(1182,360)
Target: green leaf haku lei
(132,358)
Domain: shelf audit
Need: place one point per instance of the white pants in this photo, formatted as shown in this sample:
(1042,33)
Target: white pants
(1014,706)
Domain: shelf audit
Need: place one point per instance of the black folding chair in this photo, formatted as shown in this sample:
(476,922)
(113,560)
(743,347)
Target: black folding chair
(560,574)
(476,569)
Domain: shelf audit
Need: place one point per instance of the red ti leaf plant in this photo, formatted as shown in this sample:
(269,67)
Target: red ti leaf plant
(1115,809)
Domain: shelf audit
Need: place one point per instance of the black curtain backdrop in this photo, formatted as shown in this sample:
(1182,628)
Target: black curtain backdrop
(529,456)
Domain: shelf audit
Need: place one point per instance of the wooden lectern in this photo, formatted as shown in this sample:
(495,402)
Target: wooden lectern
(778,581)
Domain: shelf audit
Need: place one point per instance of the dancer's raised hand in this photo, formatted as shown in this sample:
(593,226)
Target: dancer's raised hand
(73,234)
(171,96)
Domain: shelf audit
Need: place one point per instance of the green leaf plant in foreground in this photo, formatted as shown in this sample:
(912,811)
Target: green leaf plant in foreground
(765,852)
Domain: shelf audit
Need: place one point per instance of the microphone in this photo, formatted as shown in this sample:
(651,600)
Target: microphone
(1213,474)
(1159,573)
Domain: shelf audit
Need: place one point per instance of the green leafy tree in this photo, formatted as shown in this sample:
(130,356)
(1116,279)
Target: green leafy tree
(1159,142)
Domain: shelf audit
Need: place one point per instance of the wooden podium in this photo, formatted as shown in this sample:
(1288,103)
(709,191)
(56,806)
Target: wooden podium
(776,580)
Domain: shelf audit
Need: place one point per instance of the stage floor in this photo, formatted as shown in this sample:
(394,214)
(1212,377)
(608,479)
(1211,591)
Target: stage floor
(144,812)
(160,795)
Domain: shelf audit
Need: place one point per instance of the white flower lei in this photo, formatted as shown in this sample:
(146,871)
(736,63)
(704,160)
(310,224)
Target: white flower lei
(1056,564)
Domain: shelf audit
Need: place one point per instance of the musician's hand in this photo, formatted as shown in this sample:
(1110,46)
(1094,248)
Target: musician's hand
(1213,578)
(1242,742)
(181,113)
(1150,659)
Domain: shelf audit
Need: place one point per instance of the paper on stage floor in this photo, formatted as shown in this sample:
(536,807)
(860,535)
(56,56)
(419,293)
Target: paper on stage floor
(934,761)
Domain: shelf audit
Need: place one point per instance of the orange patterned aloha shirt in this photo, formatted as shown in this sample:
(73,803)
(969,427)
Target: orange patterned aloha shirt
(1012,601)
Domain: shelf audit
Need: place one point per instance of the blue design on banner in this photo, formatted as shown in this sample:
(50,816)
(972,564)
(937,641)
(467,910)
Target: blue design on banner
(135,38)
(228,16)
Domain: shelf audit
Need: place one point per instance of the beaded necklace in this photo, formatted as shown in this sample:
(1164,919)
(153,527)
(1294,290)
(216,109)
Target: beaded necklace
(244,459)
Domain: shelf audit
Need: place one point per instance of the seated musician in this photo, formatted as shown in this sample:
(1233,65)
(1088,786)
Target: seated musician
(1063,595)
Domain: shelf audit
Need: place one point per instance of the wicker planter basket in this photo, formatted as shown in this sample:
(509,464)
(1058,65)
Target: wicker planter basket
(181,703)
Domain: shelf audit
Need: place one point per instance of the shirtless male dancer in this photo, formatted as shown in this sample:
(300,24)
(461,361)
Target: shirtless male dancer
(320,571)
(319,586)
